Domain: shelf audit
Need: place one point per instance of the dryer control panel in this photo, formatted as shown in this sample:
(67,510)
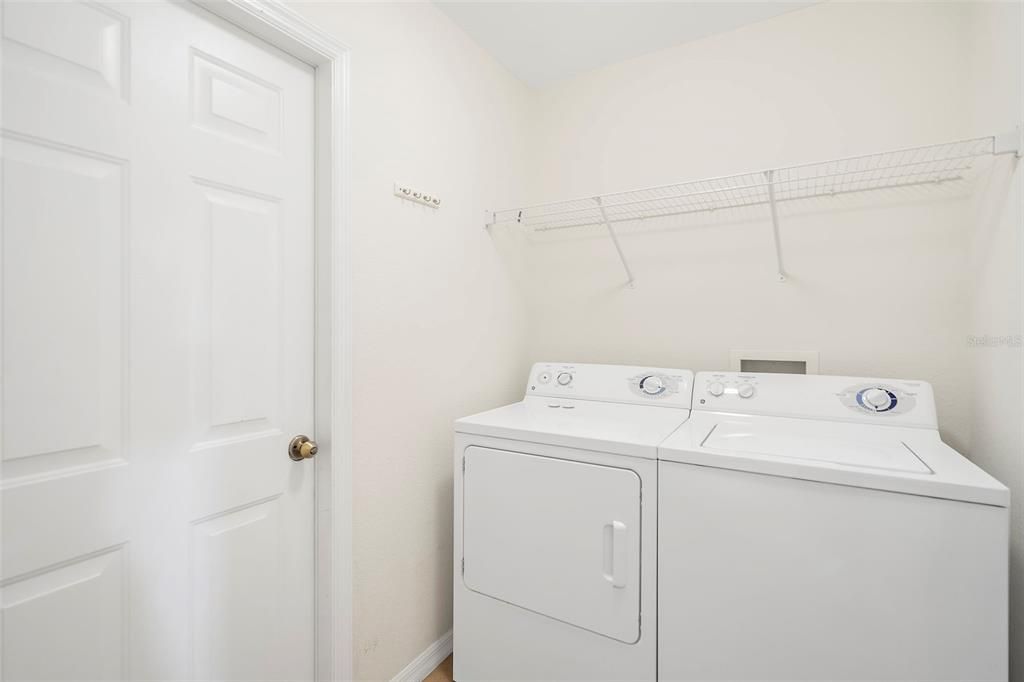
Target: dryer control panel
(612,383)
(875,401)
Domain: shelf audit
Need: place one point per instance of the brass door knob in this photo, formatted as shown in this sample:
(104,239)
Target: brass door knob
(302,448)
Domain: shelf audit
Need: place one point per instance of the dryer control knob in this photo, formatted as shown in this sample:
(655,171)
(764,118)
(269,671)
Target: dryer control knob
(716,388)
(652,385)
(745,390)
(564,379)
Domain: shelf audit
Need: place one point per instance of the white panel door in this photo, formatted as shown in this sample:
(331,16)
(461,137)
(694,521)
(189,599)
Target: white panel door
(556,537)
(157,347)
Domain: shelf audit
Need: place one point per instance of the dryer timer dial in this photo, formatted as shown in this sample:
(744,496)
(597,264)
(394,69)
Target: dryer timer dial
(652,385)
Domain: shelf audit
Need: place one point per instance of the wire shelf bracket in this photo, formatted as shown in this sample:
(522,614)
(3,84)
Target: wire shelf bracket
(770,175)
(929,165)
(615,241)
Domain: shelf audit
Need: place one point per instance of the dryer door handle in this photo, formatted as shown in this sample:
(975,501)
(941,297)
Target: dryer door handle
(615,553)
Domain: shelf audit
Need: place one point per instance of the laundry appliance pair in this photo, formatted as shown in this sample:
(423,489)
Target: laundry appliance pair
(632,523)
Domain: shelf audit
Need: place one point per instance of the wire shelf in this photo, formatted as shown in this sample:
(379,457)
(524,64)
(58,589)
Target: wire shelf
(927,165)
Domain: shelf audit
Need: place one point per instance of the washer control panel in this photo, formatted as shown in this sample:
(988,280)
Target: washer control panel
(889,401)
(878,398)
(727,385)
(612,383)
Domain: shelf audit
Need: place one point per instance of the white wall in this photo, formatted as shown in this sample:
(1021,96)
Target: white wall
(878,287)
(439,328)
(996,258)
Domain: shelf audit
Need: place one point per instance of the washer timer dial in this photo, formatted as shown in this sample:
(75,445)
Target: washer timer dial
(876,399)
(882,399)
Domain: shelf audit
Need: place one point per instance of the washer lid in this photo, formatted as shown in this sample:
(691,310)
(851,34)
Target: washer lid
(910,460)
(617,428)
(815,441)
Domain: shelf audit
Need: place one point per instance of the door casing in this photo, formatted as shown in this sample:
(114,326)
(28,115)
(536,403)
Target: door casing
(282,27)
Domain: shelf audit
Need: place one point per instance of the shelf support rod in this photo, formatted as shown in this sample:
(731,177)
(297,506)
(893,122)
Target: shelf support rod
(615,240)
(770,174)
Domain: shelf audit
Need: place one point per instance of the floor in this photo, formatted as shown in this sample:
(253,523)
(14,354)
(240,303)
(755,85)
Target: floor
(442,673)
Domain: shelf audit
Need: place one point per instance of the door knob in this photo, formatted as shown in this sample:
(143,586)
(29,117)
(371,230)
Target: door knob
(302,448)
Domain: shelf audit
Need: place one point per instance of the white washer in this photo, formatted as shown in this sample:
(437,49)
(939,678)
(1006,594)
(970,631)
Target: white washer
(817,528)
(555,525)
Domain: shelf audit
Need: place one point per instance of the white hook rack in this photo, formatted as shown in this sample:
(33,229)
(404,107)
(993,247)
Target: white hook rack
(936,164)
(417,195)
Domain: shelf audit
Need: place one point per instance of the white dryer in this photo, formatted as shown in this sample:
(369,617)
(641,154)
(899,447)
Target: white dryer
(817,528)
(555,525)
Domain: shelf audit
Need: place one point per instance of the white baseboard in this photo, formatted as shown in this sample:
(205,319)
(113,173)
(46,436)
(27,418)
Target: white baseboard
(424,664)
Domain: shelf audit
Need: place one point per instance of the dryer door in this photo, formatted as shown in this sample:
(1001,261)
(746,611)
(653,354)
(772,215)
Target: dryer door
(556,537)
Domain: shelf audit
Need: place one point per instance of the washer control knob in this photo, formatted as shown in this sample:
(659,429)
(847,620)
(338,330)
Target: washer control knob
(745,390)
(544,377)
(564,378)
(652,385)
(716,388)
(877,399)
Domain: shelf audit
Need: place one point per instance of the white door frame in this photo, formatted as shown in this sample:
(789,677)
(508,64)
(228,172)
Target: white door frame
(280,26)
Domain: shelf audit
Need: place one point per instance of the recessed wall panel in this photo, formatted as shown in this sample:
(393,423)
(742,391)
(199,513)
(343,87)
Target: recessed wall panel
(82,44)
(62,307)
(67,622)
(232,103)
(243,298)
(238,573)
